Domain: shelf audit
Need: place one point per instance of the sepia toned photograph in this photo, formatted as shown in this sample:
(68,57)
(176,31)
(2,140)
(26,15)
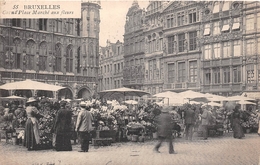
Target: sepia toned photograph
(129,82)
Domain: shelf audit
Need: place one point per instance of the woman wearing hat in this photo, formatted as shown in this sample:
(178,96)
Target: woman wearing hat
(31,136)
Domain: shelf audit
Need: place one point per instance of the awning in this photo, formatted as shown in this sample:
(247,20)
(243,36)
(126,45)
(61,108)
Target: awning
(225,28)
(253,95)
(206,32)
(236,26)
(216,9)
(225,6)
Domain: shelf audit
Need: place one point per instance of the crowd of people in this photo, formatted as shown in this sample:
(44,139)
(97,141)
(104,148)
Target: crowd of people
(68,121)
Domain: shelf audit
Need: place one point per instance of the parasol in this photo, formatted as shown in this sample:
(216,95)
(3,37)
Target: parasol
(133,102)
(30,85)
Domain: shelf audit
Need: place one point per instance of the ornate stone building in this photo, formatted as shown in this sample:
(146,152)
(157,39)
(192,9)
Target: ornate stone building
(231,41)
(111,66)
(204,46)
(56,51)
(134,39)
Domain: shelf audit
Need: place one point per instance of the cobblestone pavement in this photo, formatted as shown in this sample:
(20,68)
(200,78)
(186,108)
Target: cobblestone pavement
(215,151)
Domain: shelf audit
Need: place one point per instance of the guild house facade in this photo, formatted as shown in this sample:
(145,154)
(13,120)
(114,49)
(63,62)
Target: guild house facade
(111,66)
(206,46)
(64,52)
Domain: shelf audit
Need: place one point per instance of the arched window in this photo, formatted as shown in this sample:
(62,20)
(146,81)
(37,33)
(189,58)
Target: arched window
(17,51)
(91,53)
(30,51)
(2,45)
(69,59)
(43,56)
(57,66)
(78,60)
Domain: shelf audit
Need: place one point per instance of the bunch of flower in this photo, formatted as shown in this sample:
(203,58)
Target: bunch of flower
(21,135)
(134,125)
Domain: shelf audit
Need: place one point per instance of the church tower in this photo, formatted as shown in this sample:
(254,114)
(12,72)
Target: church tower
(90,37)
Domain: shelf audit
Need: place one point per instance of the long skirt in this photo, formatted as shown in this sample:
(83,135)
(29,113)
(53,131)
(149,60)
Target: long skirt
(237,129)
(29,138)
(63,142)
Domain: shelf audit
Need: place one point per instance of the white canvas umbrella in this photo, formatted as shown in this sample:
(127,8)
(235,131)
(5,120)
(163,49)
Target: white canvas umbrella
(30,85)
(245,102)
(212,97)
(189,94)
(239,98)
(213,104)
(166,94)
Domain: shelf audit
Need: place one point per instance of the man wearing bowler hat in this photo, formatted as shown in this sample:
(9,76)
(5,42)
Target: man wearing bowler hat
(165,128)
(84,126)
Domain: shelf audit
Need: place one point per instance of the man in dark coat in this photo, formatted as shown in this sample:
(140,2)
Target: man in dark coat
(62,128)
(189,118)
(165,128)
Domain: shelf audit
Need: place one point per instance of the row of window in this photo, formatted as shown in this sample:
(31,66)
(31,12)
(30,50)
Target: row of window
(179,43)
(230,49)
(133,62)
(177,72)
(60,25)
(134,47)
(215,76)
(30,59)
(179,19)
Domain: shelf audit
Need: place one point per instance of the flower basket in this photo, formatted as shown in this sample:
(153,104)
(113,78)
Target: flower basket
(135,138)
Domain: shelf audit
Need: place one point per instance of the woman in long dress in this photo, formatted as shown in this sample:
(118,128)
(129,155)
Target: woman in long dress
(62,128)
(236,123)
(32,136)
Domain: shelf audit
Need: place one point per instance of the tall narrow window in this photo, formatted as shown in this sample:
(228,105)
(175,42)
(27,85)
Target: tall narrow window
(258,20)
(250,47)
(69,59)
(180,19)
(171,73)
(226,75)
(226,49)
(17,22)
(57,66)
(43,56)
(237,74)
(150,69)
(258,47)
(43,24)
(29,23)
(237,48)
(181,40)
(69,26)
(207,52)
(250,73)
(17,51)
(30,52)
(192,16)
(154,69)
(58,25)
(216,73)
(193,71)
(216,50)
(171,44)
(78,60)
(207,76)
(181,72)
(170,21)
(2,50)
(216,29)
(78,27)
(193,40)
(250,22)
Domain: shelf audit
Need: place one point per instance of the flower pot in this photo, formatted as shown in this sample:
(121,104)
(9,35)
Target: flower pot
(155,135)
(134,138)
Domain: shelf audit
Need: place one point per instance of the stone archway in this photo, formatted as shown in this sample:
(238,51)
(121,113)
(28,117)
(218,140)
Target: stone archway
(84,93)
(65,93)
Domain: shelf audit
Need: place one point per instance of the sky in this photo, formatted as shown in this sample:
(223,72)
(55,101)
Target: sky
(113,17)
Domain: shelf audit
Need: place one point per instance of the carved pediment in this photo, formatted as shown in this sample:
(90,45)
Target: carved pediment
(177,4)
(133,9)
